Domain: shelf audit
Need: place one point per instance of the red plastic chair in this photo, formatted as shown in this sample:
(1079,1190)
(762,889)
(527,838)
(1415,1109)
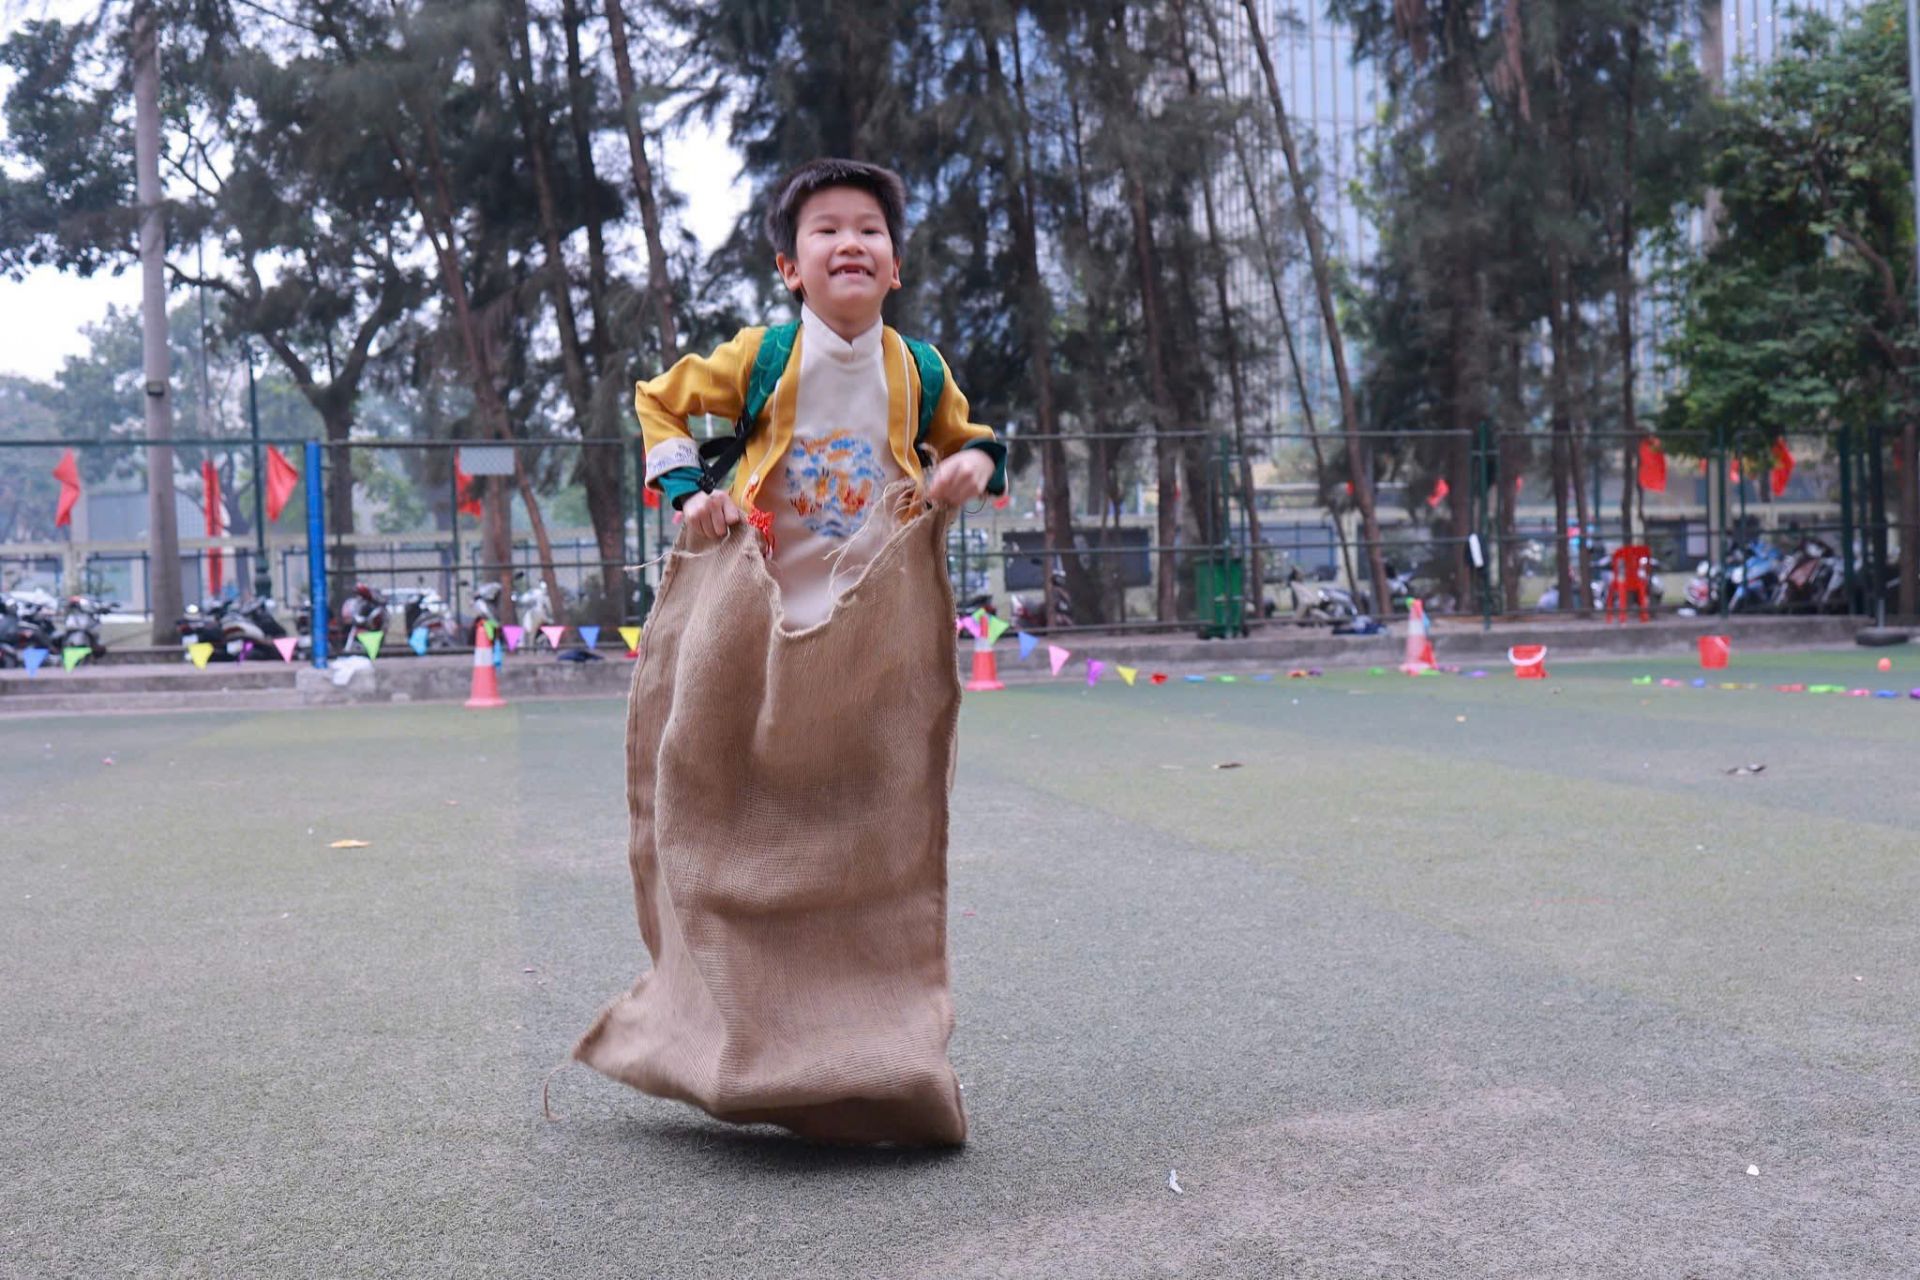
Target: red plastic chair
(1629,580)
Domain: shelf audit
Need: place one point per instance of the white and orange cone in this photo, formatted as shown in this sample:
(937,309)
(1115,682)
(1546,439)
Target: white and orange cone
(1419,659)
(485,691)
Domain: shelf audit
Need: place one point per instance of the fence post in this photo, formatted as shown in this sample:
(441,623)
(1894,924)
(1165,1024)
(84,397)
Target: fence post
(1877,516)
(1846,518)
(318,614)
(1483,481)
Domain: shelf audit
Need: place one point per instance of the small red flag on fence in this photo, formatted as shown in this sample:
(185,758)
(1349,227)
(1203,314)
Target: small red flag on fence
(1653,465)
(67,472)
(1440,491)
(650,496)
(282,480)
(216,525)
(469,500)
(1782,467)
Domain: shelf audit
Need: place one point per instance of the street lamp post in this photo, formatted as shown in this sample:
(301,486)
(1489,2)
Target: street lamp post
(262,574)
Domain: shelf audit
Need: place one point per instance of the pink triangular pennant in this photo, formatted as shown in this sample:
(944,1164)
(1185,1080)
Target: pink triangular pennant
(553,635)
(286,645)
(514,635)
(1058,657)
(1094,668)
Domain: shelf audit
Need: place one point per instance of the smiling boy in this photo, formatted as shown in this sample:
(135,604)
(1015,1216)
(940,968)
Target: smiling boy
(848,414)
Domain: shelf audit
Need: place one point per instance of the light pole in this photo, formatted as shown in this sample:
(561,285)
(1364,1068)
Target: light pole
(262,575)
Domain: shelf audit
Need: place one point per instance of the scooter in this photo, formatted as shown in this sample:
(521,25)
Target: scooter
(364,609)
(424,607)
(80,627)
(1320,600)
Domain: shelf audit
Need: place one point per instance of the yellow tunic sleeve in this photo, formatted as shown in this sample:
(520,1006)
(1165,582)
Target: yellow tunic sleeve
(715,384)
(950,432)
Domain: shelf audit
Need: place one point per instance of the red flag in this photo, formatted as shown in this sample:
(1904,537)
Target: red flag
(1653,465)
(67,472)
(1440,491)
(282,480)
(216,525)
(463,483)
(1782,467)
(650,496)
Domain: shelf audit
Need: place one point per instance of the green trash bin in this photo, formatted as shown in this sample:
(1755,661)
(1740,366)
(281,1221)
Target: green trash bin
(1220,597)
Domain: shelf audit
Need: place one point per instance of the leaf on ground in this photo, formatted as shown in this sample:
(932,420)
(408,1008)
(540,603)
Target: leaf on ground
(349,844)
(1228,764)
(1740,770)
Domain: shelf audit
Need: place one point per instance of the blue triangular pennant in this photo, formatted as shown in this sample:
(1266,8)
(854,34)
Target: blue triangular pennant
(34,658)
(1027,645)
(590,637)
(418,641)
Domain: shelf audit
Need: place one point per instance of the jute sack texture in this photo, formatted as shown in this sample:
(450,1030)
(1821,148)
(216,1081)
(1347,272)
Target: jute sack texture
(788,802)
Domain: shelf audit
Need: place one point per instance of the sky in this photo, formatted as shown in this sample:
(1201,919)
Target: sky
(41,316)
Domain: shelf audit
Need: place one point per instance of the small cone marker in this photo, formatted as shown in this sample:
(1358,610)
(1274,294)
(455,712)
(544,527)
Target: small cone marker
(485,690)
(986,673)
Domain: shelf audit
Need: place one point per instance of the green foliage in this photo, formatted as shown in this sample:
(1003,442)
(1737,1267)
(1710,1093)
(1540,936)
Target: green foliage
(1799,316)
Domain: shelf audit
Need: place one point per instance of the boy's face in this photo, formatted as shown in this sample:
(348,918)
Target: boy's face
(843,259)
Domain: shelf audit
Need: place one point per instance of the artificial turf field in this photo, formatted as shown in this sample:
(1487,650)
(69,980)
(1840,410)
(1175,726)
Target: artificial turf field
(1450,977)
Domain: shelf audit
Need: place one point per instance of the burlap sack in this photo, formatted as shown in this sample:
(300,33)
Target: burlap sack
(788,797)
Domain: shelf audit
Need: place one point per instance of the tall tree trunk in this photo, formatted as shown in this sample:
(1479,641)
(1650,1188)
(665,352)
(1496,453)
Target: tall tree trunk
(1623,298)
(164,598)
(1562,425)
(580,124)
(1229,338)
(658,284)
(1584,515)
(1909,478)
(1358,457)
(1511,462)
(1166,417)
(1037,313)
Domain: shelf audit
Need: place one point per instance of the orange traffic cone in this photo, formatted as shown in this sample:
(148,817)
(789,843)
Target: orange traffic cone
(1419,657)
(986,672)
(486,682)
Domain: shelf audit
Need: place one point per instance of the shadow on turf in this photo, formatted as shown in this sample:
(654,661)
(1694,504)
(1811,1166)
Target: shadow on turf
(767,1147)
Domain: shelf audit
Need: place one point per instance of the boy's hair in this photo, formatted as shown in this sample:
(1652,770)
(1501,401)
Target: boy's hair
(791,192)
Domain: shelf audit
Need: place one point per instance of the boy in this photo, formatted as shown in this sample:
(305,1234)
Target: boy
(841,424)
(789,752)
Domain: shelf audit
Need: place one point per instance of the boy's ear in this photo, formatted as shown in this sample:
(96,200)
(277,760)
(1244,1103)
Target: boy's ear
(790,271)
(895,282)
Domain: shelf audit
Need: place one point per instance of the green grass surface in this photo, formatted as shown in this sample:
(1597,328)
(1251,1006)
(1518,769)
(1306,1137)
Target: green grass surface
(1447,977)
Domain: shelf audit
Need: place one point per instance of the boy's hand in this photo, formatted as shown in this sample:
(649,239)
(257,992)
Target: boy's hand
(710,513)
(959,479)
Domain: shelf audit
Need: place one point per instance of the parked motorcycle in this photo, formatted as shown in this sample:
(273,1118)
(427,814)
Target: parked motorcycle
(423,607)
(1320,599)
(364,609)
(28,618)
(80,624)
(1030,608)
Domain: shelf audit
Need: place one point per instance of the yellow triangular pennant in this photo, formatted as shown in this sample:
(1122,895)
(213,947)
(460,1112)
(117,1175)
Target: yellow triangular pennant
(200,653)
(632,636)
(1127,674)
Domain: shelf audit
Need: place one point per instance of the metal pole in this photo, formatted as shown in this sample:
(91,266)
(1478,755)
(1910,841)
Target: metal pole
(318,615)
(262,574)
(453,533)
